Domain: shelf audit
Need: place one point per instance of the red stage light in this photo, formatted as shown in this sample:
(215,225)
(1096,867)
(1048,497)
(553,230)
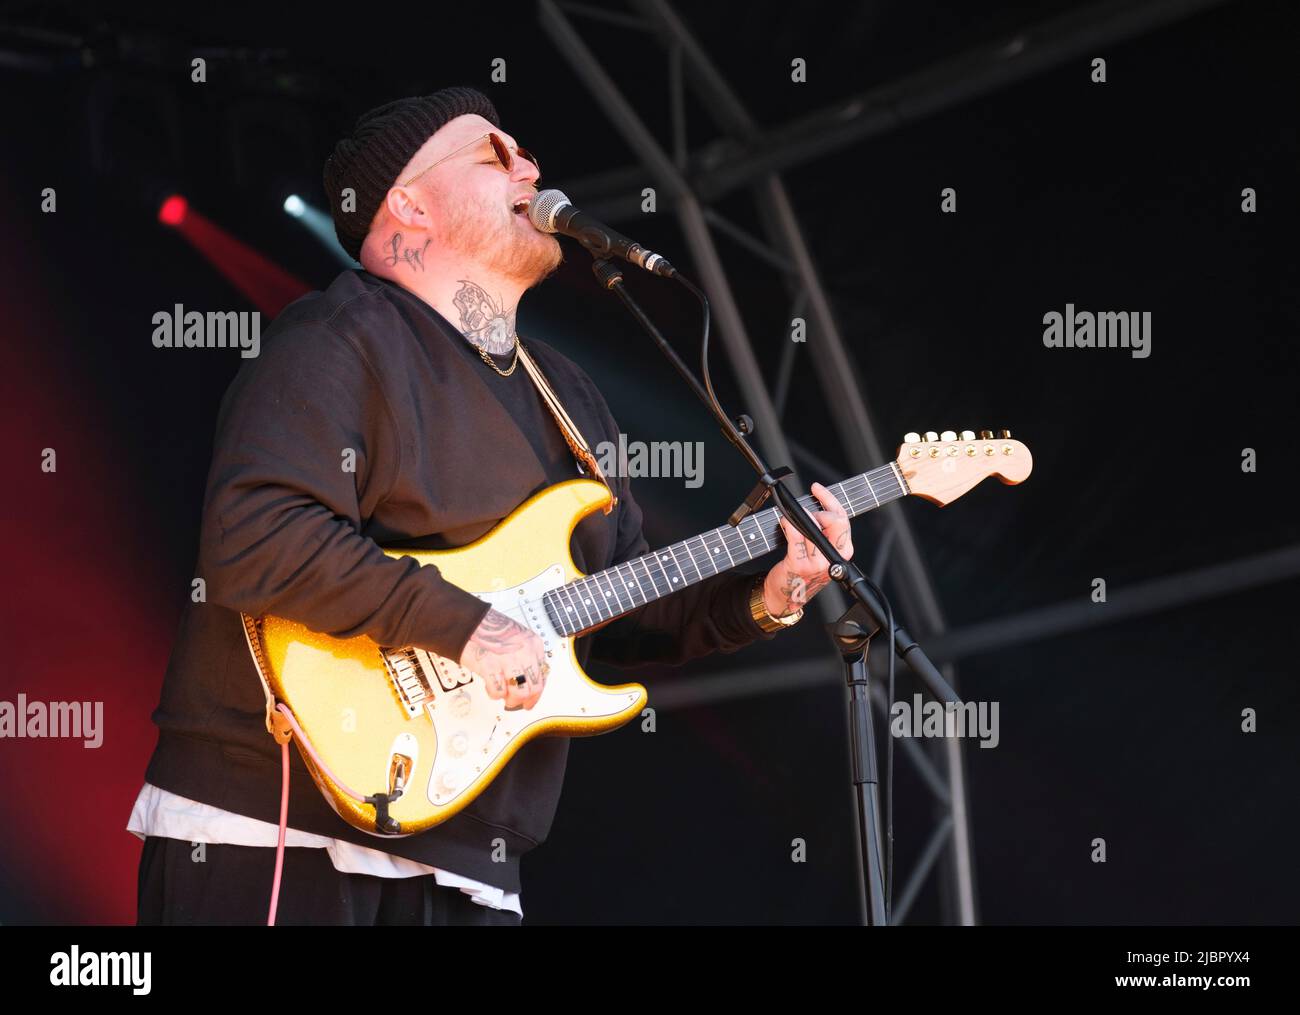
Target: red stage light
(172,212)
(263,282)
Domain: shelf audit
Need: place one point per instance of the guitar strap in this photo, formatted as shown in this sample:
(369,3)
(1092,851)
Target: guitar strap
(577,443)
(275,723)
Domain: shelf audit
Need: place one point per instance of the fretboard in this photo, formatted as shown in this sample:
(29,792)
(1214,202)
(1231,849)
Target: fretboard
(607,594)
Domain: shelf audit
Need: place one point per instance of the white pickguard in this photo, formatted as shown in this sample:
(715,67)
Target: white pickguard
(472,728)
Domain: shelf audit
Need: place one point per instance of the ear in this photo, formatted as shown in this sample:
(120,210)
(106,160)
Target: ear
(404,207)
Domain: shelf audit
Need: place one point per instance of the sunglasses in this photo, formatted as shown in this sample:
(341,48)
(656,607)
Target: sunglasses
(503,154)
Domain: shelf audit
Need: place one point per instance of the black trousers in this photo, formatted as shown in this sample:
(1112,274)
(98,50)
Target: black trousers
(232,885)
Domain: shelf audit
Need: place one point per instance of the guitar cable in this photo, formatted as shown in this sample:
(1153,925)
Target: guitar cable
(283,710)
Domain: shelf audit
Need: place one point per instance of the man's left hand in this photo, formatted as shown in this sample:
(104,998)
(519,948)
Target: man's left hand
(802,574)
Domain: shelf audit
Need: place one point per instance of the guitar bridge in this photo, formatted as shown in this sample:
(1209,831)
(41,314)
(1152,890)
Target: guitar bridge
(408,680)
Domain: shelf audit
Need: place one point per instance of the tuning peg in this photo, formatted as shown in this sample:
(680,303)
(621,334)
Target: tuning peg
(1006,435)
(911,437)
(986,435)
(948,435)
(931,436)
(968,435)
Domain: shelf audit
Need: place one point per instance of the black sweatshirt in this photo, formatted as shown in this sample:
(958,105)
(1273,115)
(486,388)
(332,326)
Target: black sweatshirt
(444,449)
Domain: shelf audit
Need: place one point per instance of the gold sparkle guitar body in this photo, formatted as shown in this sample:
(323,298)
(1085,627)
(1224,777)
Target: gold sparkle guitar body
(384,719)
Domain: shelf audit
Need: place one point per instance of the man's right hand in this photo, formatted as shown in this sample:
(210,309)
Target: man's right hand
(498,651)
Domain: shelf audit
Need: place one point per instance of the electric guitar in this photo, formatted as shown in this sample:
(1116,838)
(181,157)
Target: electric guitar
(402,739)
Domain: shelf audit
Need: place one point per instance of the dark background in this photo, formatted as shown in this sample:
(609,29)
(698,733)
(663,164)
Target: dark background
(1117,196)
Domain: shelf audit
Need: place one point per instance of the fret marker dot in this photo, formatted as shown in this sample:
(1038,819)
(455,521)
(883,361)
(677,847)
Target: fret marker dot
(674,579)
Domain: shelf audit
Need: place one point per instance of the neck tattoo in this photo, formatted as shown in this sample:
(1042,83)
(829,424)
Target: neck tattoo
(484,321)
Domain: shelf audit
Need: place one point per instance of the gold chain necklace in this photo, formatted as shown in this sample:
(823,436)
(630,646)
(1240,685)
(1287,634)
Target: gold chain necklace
(492,363)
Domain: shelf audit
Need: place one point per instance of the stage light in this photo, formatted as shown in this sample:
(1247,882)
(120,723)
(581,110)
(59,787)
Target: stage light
(264,283)
(319,223)
(172,212)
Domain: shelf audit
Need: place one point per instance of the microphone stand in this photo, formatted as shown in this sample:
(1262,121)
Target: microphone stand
(852,632)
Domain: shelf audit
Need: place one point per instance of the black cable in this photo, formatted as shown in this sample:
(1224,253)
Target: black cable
(734,436)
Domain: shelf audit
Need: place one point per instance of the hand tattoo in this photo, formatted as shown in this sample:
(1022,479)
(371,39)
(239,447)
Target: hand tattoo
(817,584)
(497,633)
(794,589)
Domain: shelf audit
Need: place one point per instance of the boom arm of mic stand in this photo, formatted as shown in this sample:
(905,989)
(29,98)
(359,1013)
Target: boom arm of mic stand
(610,276)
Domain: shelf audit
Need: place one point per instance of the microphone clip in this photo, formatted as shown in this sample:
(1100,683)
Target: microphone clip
(607,273)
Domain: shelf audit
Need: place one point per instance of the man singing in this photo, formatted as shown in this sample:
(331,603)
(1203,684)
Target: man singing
(407,368)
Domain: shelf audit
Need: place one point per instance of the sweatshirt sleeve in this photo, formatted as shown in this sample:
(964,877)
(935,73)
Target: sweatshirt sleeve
(305,436)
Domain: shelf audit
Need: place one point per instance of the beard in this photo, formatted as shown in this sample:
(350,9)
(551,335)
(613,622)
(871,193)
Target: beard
(485,232)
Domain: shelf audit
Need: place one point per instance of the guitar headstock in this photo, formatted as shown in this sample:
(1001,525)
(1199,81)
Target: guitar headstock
(942,467)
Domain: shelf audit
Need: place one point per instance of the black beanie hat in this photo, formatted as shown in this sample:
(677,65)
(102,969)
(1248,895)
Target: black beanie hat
(382,143)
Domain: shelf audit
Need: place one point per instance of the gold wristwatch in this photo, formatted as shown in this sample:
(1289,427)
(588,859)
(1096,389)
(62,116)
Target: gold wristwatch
(759,611)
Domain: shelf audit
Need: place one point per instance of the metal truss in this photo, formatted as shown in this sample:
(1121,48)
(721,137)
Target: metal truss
(747,155)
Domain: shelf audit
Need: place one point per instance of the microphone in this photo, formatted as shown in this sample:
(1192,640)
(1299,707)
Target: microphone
(551,211)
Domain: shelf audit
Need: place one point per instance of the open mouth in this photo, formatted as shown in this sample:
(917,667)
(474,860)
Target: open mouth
(520,207)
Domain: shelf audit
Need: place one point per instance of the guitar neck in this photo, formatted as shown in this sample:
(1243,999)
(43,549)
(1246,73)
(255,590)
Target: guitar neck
(608,594)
